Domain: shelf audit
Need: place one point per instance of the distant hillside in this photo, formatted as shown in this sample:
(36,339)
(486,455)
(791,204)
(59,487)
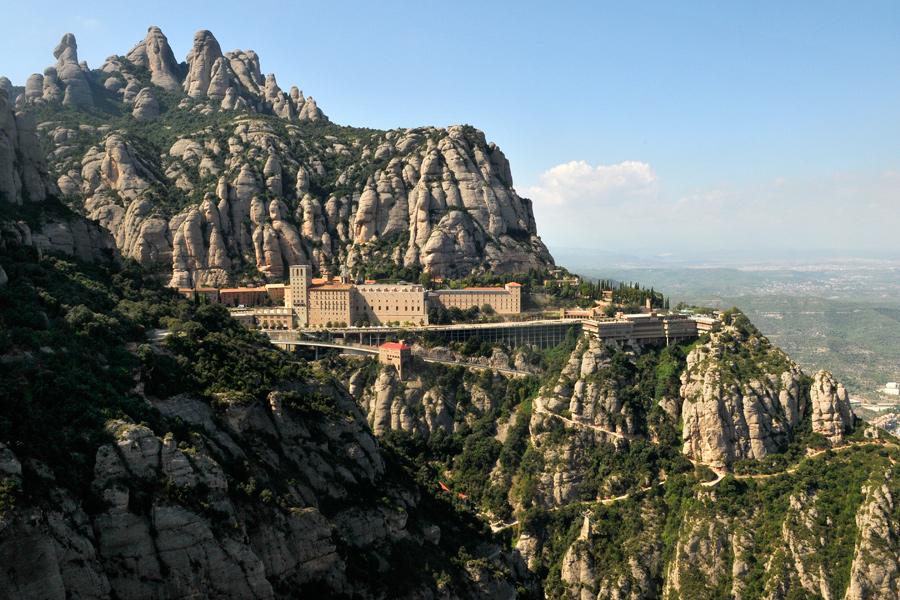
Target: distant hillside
(859,342)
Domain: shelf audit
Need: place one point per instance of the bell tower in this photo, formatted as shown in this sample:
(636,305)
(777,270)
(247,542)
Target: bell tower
(298,299)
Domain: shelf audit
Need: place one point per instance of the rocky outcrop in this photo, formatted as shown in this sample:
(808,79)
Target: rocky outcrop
(201,61)
(155,54)
(449,188)
(740,404)
(273,236)
(875,571)
(830,407)
(70,73)
(416,405)
(586,401)
(146,106)
(736,406)
(169,523)
(23,169)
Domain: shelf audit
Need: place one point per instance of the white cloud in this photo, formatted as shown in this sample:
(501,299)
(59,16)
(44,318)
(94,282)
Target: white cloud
(577,182)
(89,23)
(623,207)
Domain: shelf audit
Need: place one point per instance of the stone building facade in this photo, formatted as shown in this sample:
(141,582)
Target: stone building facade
(390,303)
(336,302)
(505,301)
(330,303)
(393,353)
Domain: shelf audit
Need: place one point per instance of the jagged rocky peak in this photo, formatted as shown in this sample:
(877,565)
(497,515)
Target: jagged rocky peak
(743,398)
(155,54)
(231,81)
(72,74)
(201,61)
(429,198)
(65,81)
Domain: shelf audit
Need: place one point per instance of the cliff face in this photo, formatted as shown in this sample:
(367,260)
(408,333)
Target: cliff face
(26,216)
(743,397)
(618,512)
(175,520)
(233,172)
(208,463)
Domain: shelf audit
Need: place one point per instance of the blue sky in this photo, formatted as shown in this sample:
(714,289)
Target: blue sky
(634,126)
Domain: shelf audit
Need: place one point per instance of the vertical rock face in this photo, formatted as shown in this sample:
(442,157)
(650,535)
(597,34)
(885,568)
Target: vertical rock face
(71,74)
(34,87)
(200,60)
(155,54)
(831,414)
(52,90)
(875,570)
(24,177)
(23,170)
(393,405)
(738,406)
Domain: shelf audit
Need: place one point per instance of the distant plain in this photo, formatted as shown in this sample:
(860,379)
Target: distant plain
(840,313)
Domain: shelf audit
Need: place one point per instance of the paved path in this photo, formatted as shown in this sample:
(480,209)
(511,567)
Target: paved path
(372,350)
(477,367)
(539,407)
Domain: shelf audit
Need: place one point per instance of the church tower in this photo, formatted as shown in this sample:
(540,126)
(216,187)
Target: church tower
(298,298)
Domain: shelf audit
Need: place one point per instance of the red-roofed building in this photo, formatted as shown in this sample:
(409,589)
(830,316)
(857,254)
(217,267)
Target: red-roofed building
(395,354)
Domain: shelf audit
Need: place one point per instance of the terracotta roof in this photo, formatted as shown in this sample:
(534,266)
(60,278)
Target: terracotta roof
(394,346)
(513,284)
(473,289)
(330,287)
(244,289)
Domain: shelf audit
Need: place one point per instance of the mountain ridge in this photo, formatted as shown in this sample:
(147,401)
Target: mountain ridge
(221,173)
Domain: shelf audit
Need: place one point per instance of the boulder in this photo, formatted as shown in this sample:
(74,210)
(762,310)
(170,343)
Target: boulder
(146,106)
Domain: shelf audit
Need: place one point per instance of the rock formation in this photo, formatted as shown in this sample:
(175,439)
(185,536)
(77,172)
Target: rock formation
(201,60)
(71,74)
(155,54)
(146,105)
(23,169)
(448,188)
(831,414)
(738,406)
